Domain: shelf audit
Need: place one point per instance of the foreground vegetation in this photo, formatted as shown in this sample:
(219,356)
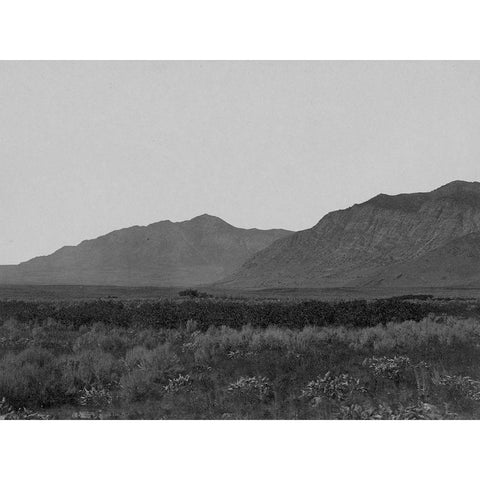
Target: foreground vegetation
(204,358)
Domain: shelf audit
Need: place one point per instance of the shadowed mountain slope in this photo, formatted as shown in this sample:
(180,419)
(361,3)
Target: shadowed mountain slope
(455,264)
(198,251)
(367,243)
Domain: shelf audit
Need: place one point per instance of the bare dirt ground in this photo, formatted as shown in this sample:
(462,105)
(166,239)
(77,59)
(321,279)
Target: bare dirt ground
(92,292)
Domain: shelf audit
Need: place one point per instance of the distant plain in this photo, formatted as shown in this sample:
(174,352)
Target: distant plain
(92,292)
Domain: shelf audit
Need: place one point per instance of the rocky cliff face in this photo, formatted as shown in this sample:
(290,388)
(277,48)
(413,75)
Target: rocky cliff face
(358,245)
(198,251)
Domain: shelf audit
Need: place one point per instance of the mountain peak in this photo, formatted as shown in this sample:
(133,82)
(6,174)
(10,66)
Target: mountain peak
(206,216)
(207,219)
(458,186)
(407,202)
(411,202)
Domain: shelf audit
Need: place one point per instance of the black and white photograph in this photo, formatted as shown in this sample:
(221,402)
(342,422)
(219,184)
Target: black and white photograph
(207,249)
(198,240)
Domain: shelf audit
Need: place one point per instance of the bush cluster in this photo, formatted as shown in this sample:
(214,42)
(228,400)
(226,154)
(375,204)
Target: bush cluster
(207,312)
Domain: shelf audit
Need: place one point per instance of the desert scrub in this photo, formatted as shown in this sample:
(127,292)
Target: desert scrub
(31,378)
(459,386)
(420,411)
(409,335)
(242,358)
(162,360)
(250,389)
(147,371)
(215,343)
(139,385)
(7,412)
(95,397)
(90,368)
(14,336)
(338,388)
(182,383)
(99,338)
(416,411)
(239,355)
(429,335)
(392,368)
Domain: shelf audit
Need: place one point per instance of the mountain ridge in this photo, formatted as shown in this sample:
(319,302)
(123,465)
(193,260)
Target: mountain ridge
(165,253)
(409,239)
(348,246)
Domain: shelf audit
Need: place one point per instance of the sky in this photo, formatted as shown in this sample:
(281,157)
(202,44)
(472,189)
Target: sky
(91,147)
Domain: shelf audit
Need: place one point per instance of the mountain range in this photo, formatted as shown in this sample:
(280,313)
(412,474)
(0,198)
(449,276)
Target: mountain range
(429,239)
(198,251)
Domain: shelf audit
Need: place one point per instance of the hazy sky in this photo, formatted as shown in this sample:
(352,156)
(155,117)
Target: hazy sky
(89,147)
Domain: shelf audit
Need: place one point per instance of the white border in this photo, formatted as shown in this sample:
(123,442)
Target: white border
(247,29)
(239,450)
(250,29)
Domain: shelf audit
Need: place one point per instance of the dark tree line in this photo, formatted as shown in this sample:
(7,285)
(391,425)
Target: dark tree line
(232,313)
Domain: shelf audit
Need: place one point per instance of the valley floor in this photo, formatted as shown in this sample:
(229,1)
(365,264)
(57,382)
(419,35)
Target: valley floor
(92,292)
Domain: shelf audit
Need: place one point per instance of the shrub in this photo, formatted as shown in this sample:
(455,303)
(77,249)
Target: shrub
(31,378)
(417,411)
(162,361)
(138,385)
(99,338)
(460,386)
(178,384)
(147,371)
(90,368)
(113,343)
(392,368)
(333,387)
(7,412)
(249,389)
(429,332)
(240,355)
(191,292)
(149,338)
(95,397)
(420,411)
